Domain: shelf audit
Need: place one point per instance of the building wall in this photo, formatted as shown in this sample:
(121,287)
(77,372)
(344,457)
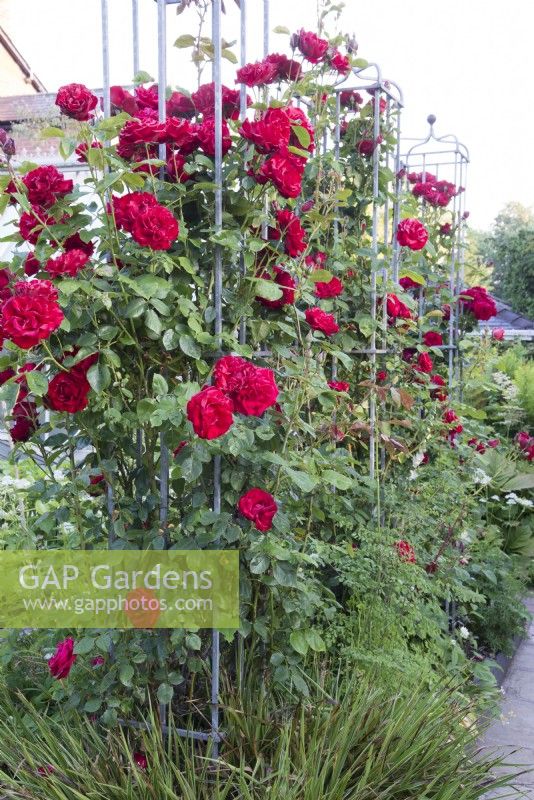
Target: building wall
(12,80)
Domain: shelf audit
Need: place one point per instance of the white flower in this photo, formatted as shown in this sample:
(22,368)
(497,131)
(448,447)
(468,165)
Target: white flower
(417,459)
(512,499)
(465,536)
(464,633)
(413,475)
(479,476)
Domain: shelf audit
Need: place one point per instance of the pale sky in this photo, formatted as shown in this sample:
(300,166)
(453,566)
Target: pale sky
(469,62)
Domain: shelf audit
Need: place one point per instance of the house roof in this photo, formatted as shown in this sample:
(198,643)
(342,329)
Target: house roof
(507,318)
(20,107)
(7,43)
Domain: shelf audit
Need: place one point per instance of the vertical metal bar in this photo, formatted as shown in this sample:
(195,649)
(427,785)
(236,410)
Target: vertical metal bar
(217,299)
(105,58)
(453,317)
(162,70)
(242,114)
(396,204)
(372,398)
(266,24)
(135,35)
(163,449)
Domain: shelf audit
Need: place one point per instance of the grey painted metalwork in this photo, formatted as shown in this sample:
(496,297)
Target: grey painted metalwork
(446,154)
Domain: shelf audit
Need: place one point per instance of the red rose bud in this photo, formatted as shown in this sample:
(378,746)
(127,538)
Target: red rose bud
(259,507)
(498,334)
(63,659)
(76,101)
(412,233)
(381,375)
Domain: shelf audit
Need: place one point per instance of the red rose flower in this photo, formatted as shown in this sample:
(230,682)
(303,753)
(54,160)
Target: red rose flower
(25,417)
(412,233)
(319,320)
(97,661)
(479,303)
(257,392)
(179,105)
(258,74)
(331,288)
(340,63)
(493,442)
(45,185)
(409,283)
(147,96)
(498,334)
(69,263)
(446,229)
(67,391)
(175,168)
(349,98)
(396,308)
(122,100)
(285,171)
(292,231)
(6,375)
(251,389)
(438,394)
(63,659)
(206,137)
(286,68)
(181,133)
(31,314)
(449,416)
(432,339)
(210,413)
(32,265)
(204,101)
(76,101)
(127,208)
(405,551)
(381,375)
(140,760)
(230,372)
(82,149)
(424,363)
(339,386)
(32,224)
(366,147)
(523,440)
(310,45)
(287,284)
(156,228)
(259,507)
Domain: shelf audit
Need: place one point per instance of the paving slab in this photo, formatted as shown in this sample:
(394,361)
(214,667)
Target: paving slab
(512,733)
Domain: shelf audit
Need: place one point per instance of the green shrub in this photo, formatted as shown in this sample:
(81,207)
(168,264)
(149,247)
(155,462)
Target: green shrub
(353,741)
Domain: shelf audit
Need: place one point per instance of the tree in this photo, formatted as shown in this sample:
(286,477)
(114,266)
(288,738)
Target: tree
(510,247)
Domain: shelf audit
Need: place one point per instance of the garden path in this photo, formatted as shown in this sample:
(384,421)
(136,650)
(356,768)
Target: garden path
(514,729)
